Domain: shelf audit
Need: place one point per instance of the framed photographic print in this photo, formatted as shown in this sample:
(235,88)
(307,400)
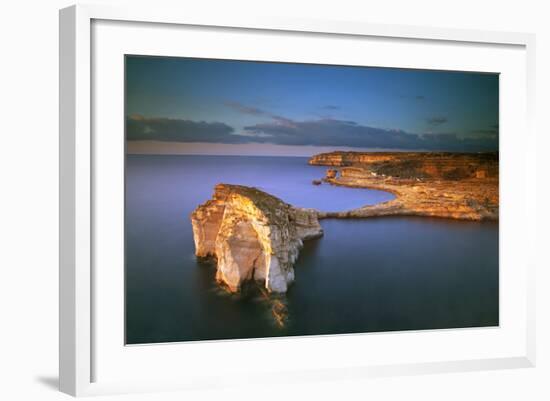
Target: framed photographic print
(298,200)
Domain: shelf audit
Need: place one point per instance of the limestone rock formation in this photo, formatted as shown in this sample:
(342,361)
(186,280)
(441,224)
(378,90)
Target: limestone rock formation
(437,184)
(422,165)
(252,235)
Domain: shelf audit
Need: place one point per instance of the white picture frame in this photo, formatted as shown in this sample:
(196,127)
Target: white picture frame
(78,152)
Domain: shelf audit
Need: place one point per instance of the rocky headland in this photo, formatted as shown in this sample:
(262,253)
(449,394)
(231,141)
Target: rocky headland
(252,235)
(437,184)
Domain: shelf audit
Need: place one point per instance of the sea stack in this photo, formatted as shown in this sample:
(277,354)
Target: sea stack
(252,235)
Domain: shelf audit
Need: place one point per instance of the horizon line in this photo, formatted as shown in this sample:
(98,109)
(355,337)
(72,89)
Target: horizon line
(147,147)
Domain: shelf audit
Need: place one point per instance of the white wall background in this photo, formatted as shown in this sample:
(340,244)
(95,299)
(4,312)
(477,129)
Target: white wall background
(29,186)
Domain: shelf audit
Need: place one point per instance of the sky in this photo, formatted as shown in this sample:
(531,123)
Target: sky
(206,106)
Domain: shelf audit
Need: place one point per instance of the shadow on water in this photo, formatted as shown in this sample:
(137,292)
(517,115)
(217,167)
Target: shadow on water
(274,306)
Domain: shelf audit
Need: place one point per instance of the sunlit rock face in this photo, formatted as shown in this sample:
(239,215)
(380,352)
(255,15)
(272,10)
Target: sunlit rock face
(413,165)
(331,173)
(252,235)
(434,184)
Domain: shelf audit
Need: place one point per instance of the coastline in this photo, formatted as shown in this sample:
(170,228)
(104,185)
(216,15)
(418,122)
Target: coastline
(454,186)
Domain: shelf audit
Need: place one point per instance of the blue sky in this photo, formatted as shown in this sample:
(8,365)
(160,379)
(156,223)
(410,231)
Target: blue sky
(179,103)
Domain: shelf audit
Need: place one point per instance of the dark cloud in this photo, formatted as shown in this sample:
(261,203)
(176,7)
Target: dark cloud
(330,107)
(175,130)
(254,111)
(491,131)
(437,121)
(245,109)
(330,132)
(284,131)
(415,97)
(453,142)
(484,132)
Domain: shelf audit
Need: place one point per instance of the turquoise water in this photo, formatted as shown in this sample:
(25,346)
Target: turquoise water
(367,275)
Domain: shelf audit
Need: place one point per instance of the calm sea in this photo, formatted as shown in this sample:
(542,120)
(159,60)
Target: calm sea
(366,275)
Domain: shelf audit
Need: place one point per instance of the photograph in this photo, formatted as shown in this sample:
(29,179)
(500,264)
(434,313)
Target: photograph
(213,200)
(272,199)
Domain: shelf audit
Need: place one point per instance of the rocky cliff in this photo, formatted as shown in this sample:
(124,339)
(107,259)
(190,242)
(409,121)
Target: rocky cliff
(252,235)
(421,165)
(450,185)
